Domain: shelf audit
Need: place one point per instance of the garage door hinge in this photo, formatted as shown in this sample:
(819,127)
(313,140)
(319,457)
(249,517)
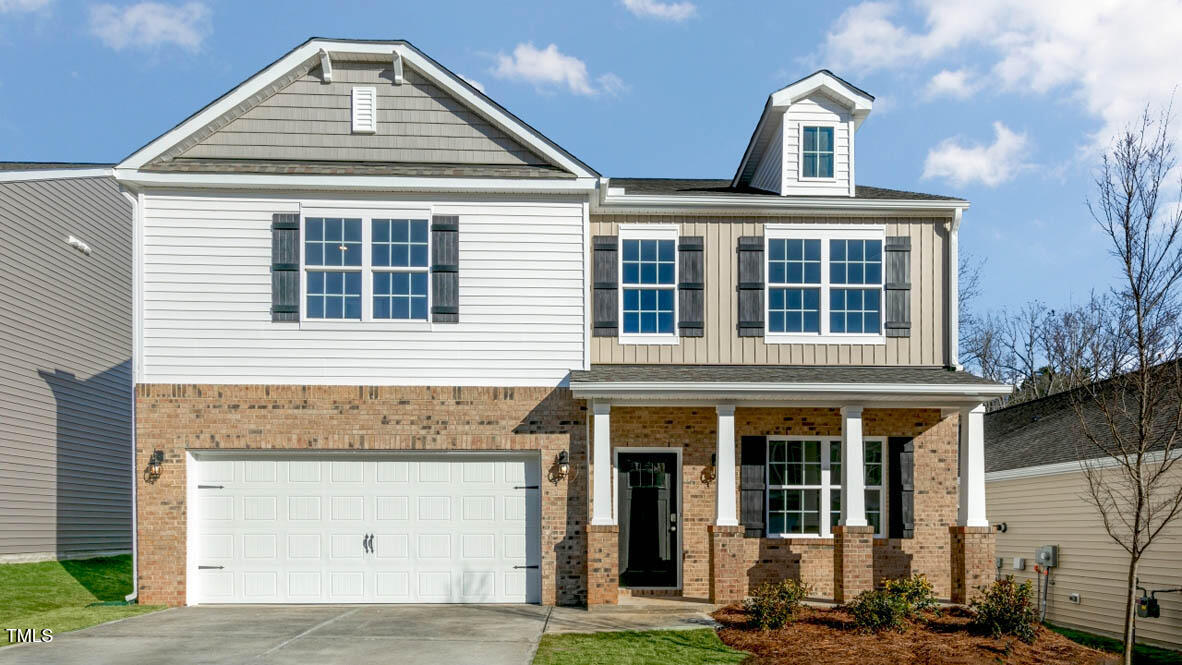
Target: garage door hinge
(210,487)
(533,567)
(527,487)
(210,567)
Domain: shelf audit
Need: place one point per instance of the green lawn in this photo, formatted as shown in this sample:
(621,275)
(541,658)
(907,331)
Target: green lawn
(1143,654)
(55,594)
(650,647)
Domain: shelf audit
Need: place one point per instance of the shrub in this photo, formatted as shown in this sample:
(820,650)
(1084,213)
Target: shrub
(916,593)
(1006,608)
(773,605)
(879,610)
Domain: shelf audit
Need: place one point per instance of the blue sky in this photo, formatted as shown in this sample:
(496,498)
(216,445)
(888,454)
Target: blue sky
(1005,103)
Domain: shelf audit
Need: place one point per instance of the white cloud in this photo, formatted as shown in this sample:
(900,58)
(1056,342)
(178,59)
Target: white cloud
(549,67)
(1111,57)
(22,5)
(150,24)
(474,83)
(958,84)
(990,165)
(665,11)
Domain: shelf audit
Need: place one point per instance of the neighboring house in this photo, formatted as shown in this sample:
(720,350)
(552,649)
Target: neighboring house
(1036,486)
(65,362)
(394,345)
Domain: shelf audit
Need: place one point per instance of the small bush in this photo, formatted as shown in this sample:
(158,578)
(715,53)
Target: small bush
(774,605)
(916,592)
(879,610)
(1006,608)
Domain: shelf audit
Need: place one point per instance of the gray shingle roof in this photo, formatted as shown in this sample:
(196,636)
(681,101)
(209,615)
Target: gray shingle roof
(190,165)
(774,374)
(714,187)
(45,166)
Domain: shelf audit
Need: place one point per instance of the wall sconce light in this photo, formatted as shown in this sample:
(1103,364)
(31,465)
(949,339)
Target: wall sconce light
(155,465)
(560,469)
(710,473)
(1002,527)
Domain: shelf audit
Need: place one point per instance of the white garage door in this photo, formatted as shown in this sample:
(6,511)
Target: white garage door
(365,528)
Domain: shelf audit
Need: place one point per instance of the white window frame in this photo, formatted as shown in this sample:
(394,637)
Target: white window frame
(647,232)
(824,233)
(800,152)
(366,268)
(828,485)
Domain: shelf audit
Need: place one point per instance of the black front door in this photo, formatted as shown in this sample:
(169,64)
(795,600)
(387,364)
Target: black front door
(649,549)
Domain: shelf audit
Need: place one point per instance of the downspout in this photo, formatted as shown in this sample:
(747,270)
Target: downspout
(135,323)
(954,291)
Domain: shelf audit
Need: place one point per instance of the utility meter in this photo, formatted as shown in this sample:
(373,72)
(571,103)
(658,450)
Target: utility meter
(1047,556)
(1147,607)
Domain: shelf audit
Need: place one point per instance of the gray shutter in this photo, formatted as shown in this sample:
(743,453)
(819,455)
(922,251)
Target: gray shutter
(752,484)
(897,319)
(750,289)
(691,294)
(901,487)
(445,269)
(285,267)
(605,303)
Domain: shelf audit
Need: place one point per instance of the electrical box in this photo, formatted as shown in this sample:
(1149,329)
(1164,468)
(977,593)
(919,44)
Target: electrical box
(1019,563)
(1147,607)
(1073,597)
(1047,556)
(999,562)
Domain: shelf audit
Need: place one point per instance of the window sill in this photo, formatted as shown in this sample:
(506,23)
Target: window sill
(354,325)
(808,179)
(807,338)
(652,340)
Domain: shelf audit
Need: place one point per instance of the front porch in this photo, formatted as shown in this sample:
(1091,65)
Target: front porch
(707,491)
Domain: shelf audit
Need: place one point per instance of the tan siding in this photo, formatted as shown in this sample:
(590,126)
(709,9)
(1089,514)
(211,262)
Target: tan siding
(310,120)
(1051,510)
(721,344)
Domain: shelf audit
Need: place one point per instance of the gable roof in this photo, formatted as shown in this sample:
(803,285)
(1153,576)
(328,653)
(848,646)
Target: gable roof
(300,60)
(857,100)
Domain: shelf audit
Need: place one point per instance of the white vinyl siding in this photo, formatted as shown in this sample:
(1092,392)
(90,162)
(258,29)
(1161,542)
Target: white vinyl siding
(769,175)
(207,298)
(817,111)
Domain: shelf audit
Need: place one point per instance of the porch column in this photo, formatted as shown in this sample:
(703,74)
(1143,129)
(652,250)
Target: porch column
(725,511)
(601,466)
(972,467)
(853,475)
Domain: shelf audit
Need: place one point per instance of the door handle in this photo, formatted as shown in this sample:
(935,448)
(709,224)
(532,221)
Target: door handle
(372,549)
(365,542)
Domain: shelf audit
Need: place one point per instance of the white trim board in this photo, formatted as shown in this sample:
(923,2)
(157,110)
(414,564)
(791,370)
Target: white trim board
(1067,467)
(54,174)
(353,182)
(781,390)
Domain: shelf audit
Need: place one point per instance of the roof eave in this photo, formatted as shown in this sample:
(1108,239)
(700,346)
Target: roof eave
(793,392)
(773,204)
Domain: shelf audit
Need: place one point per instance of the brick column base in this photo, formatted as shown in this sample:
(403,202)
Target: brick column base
(972,561)
(853,561)
(728,583)
(603,565)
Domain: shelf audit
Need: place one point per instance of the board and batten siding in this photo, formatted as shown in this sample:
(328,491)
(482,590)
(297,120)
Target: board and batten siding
(721,344)
(65,369)
(1052,510)
(206,299)
(817,110)
(311,120)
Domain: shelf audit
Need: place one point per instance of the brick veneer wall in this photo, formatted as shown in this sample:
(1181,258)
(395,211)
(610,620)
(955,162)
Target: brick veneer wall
(603,565)
(174,418)
(728,579)
(694,429)
(853,561)
(971,561)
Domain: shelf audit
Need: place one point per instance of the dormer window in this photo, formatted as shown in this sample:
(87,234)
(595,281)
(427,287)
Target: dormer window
(816,154)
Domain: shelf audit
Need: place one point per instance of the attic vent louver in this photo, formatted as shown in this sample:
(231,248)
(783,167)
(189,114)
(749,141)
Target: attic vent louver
(365,110)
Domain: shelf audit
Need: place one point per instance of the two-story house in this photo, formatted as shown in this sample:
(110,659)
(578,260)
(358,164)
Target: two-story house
(394,345)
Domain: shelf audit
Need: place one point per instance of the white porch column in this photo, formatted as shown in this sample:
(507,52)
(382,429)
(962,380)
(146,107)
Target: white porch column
(726,513)
(601,465)
(853,474)
(972,467)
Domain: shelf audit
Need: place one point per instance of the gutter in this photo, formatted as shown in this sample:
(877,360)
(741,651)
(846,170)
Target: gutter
(255,181)
(612,202)
(797,390)
(54,174)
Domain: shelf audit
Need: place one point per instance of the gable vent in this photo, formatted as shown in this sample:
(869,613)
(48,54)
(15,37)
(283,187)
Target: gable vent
(365,110)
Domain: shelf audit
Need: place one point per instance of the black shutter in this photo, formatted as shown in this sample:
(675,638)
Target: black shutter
(901,487)
(445,268)
(752,484)
(750,287)
(285,267)
(691,294)
(897,254)
(605,303)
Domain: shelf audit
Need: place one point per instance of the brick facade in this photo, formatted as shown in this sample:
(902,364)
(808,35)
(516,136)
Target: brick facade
(971,560)
(853,561)
(728,575)
(603,565)
(176,418)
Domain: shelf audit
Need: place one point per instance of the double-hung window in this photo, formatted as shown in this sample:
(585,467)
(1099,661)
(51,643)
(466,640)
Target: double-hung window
(366,267)
(804,486)
(648,284)
(816,152)
(824,284)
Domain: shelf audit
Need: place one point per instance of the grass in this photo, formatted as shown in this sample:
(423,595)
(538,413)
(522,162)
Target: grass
(55,594)
(650,647)
(1143,654)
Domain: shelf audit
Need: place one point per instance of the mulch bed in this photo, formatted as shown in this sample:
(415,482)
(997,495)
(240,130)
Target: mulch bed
(829,636)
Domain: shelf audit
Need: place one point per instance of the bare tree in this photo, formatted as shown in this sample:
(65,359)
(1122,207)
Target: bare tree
(1133,420)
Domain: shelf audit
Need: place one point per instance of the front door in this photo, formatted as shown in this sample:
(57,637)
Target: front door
(649,546)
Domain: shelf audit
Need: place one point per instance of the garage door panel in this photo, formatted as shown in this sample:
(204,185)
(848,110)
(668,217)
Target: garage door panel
(392,508)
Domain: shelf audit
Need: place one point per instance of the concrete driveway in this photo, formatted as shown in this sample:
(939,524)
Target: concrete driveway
(308,635)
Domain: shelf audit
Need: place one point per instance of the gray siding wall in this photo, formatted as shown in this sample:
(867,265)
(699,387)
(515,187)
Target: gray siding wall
(311,120)
(65,368)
